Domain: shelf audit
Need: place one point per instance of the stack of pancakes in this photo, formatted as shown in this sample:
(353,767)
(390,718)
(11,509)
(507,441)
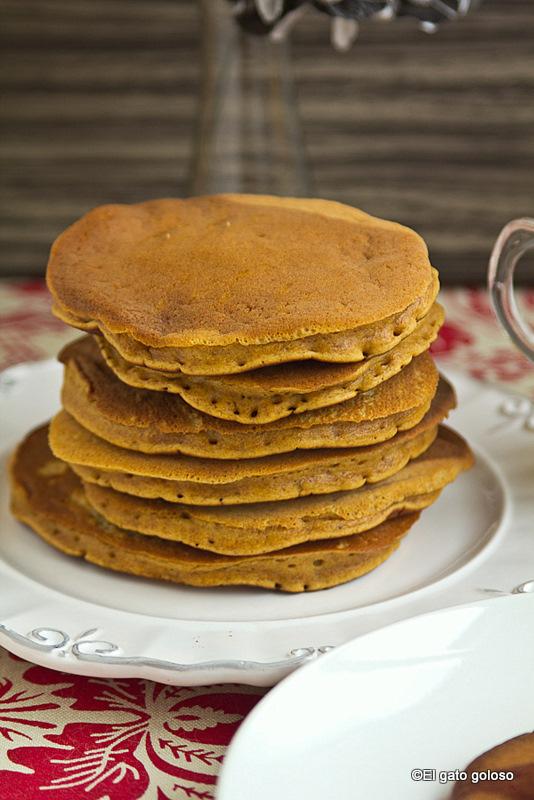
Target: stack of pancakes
(254,402)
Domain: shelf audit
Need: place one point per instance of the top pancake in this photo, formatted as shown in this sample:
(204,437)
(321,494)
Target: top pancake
(236,269)
(342,347)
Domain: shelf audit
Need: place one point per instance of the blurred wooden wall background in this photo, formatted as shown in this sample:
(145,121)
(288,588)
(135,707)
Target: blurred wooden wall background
(434,131)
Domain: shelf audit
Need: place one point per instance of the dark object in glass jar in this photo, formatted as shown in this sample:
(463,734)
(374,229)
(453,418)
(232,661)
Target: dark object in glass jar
(252,16)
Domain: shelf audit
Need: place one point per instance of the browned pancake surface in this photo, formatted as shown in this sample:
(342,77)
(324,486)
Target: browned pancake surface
(235,268)
(185,479)
(157,422)
(264,527)
(271,393)
(337,471)
(48,497)
(514,755)
(344,346)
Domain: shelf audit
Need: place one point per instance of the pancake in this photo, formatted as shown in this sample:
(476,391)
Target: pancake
(209,482)
(232,271)
(514,755)
(47,496)
(264,527)
(201,481)
(343,347)
(331,471)
(156,422)
(271,393)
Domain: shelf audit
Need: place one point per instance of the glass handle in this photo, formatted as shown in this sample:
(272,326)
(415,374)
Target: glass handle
(513,242)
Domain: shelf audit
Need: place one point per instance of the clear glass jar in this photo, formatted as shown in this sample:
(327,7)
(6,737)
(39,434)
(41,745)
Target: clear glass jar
(248,136)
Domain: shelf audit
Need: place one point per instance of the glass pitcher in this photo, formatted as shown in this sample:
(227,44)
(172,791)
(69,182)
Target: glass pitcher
(513,242)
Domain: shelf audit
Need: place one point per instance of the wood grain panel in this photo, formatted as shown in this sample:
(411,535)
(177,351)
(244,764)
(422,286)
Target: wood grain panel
(437,132)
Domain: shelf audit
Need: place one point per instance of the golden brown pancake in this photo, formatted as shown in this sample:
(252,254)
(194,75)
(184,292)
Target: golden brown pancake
(231,271)
(271,393)
(202,481)
(264,527)
(344,347)
(48,497)
(513,756)
(156,422)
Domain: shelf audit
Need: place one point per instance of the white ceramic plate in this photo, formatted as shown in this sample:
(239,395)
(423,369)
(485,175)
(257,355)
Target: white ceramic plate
(415,700)
(67,614)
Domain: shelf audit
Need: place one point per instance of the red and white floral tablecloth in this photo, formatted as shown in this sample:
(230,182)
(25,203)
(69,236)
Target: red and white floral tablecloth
(64,737)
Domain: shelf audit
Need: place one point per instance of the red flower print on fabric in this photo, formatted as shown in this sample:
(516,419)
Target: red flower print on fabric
(450,338)
(66,737)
